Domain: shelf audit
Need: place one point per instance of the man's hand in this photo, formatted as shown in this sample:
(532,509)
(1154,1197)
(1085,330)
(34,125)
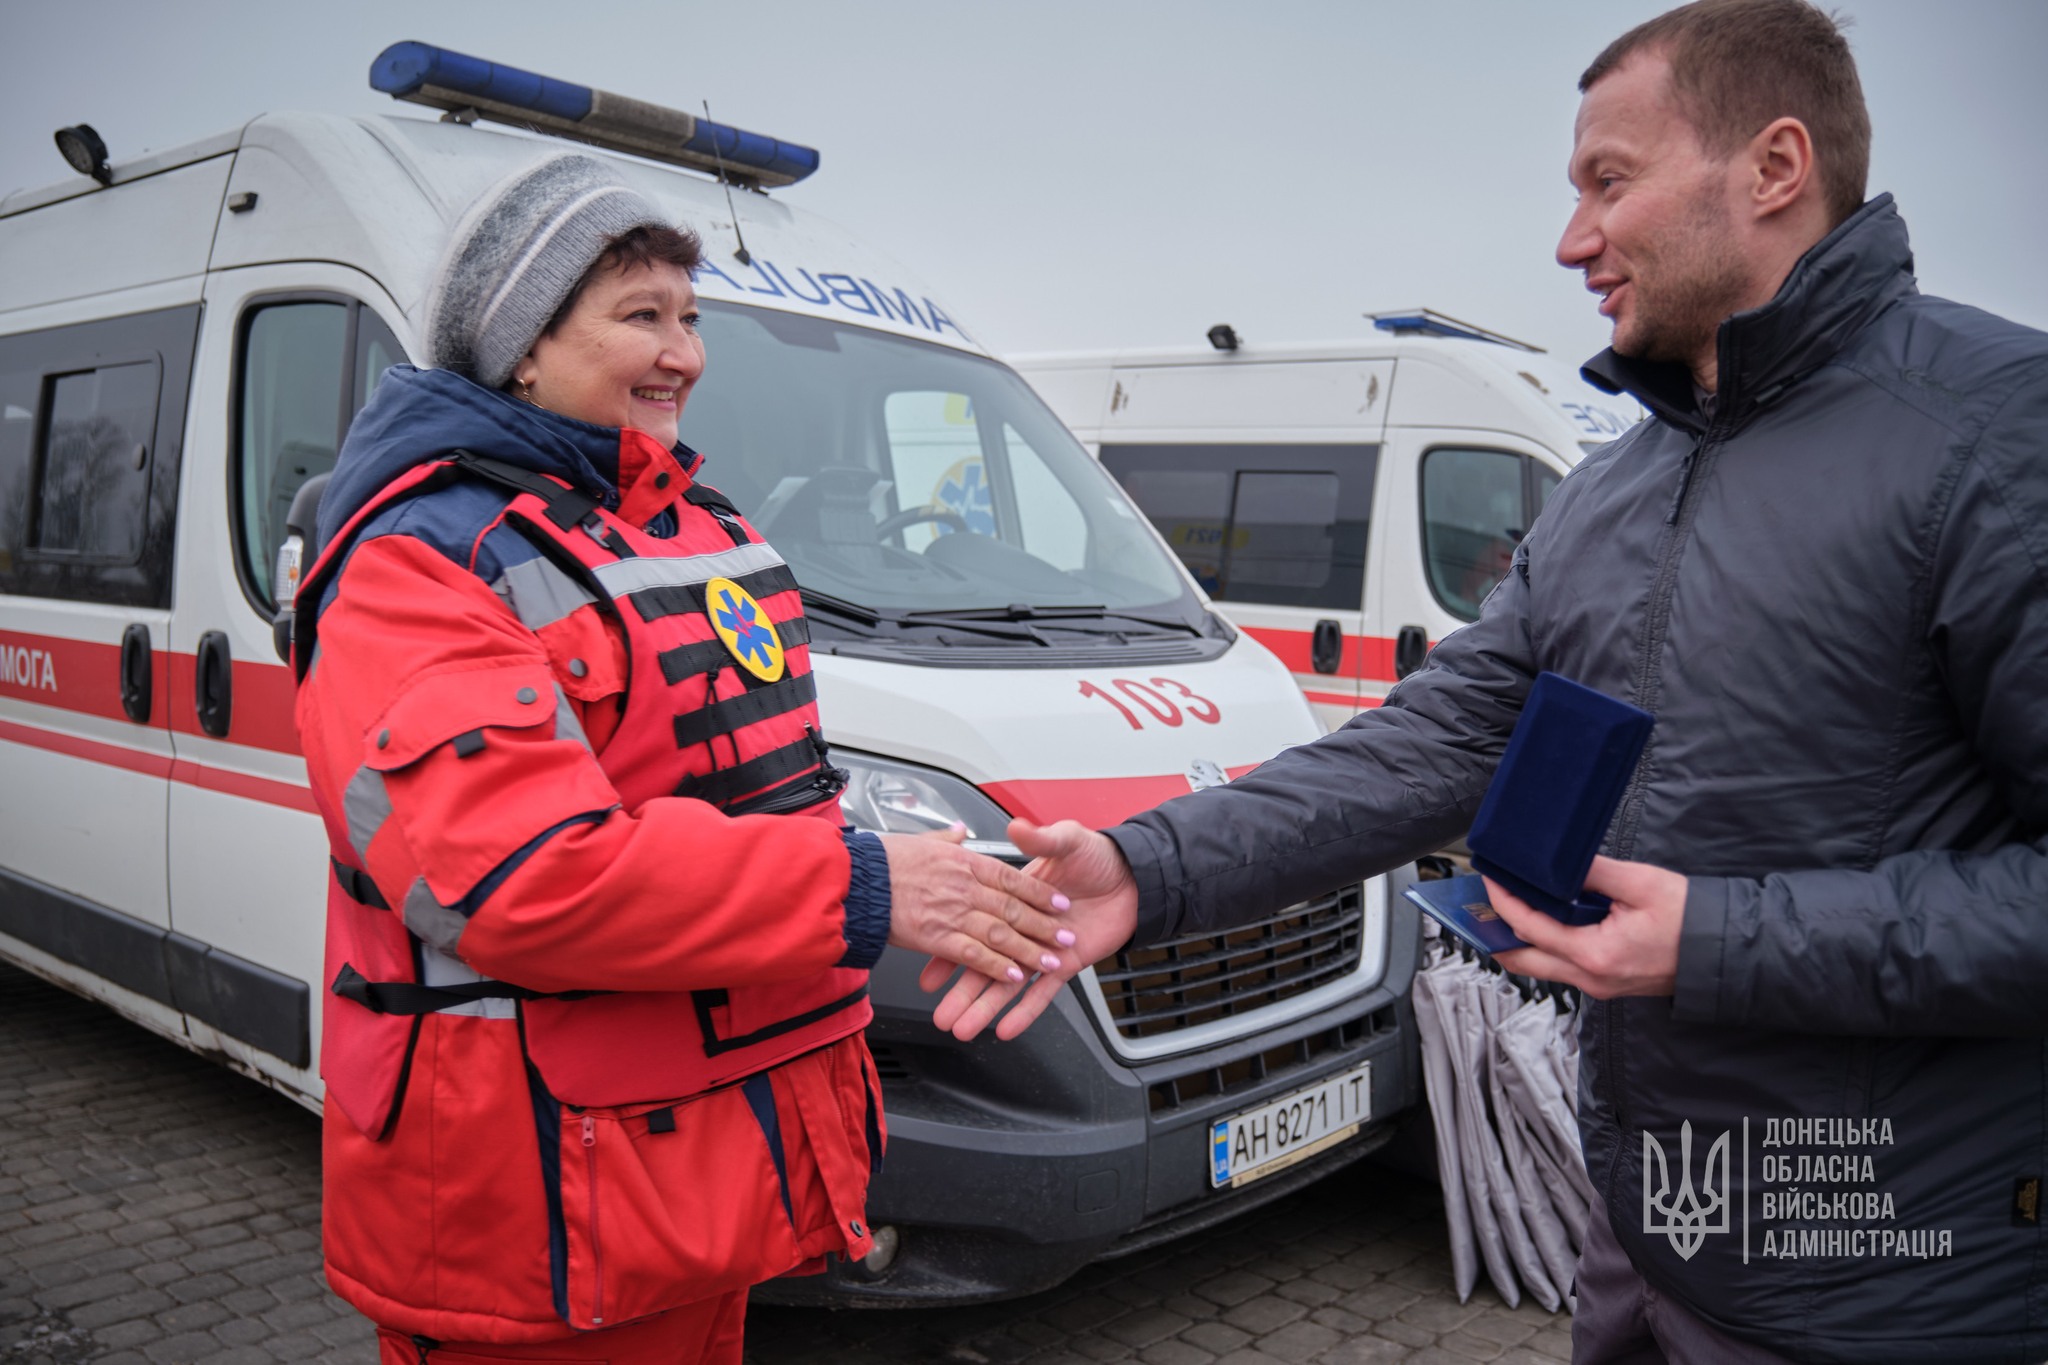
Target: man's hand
(1104,898)
(973,910)
(1634,951)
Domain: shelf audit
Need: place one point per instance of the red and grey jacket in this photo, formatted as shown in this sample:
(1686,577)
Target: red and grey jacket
(556,772)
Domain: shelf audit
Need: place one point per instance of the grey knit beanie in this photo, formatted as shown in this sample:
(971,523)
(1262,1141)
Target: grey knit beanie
(514,257)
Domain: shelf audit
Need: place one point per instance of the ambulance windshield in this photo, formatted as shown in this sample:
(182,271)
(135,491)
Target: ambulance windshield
(901,477)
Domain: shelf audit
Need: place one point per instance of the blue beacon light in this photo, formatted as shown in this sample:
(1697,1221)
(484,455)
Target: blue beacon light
(470,86)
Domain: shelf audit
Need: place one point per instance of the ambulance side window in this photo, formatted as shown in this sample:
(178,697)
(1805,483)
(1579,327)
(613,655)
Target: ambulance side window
(1281,525)
(377,350)
(1476,507)
(91,419)
(304,366)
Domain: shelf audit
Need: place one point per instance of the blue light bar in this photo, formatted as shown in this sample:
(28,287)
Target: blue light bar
(469,86)
(1429,322)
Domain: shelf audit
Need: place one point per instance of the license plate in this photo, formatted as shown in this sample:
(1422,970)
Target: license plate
(1293,1128)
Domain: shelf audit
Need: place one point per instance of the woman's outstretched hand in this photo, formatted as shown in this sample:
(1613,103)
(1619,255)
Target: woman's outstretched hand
(970,910)
(1103,914)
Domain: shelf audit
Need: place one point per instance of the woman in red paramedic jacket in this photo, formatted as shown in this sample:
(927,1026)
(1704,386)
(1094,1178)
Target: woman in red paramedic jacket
(597,937)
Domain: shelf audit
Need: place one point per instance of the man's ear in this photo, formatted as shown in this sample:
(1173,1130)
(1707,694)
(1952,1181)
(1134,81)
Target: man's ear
(1781,168)
(525,372)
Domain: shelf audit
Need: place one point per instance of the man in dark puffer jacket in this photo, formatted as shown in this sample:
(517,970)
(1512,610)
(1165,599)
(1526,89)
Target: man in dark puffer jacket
(1823,564)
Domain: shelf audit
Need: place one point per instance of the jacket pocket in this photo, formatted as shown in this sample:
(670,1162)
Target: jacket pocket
(587,658)
(758,1014)
(476,763)
(667,1204)
(827,1096)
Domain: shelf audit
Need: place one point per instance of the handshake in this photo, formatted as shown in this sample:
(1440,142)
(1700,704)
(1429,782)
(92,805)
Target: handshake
(1009,933)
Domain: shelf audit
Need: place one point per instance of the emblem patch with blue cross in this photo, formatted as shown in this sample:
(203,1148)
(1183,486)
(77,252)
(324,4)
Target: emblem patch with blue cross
(744,628)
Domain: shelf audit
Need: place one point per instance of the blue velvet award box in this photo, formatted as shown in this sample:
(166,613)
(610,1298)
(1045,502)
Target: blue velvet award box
(1546,810)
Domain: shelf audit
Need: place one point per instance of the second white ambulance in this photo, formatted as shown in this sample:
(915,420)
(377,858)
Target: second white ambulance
(1347,504)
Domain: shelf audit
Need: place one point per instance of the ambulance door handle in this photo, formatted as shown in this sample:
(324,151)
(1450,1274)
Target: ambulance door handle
(1326,646)
(1411,647)
(212,683)
(136,668)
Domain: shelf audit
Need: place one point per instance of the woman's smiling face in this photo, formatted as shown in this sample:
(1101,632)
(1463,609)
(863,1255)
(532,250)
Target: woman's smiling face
(627,355)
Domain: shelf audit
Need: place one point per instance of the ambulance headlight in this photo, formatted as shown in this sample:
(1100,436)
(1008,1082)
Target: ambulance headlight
(888,797)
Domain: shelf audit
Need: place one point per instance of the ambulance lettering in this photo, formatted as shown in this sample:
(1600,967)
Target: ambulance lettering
(773,288)
(21,666)
(848,294)
(834,290)
(1597,420)
(903,302)
(820,297)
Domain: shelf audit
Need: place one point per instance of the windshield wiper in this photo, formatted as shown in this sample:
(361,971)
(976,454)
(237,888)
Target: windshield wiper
(1022,612)
(875,621)
(852,612)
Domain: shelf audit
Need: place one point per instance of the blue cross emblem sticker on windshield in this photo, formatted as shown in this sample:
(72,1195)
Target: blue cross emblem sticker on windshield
(744,628)
(964,489)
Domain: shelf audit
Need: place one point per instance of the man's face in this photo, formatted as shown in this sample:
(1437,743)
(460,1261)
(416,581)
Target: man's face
(1655,227)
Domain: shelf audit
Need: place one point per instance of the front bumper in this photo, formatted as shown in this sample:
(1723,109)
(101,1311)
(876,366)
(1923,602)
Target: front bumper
(1012,1165)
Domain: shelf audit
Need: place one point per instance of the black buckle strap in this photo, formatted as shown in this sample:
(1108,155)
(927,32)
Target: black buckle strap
(755,704)
(357,886)
(567,507)
(409,997)
(705,496)
(684,662)
(669,600)
(680,664)
(729,784)
(719,506)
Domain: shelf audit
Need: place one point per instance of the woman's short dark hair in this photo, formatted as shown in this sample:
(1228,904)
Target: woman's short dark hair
(1738,64)
(631,249)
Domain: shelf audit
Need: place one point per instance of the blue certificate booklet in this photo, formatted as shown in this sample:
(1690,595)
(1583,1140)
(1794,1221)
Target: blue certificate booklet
(1545,812)
(1460,905)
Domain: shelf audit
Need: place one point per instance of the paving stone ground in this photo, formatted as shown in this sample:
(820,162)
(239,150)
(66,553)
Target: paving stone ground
(156,1209)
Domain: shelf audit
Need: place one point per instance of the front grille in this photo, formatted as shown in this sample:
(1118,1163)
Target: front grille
(1203,977)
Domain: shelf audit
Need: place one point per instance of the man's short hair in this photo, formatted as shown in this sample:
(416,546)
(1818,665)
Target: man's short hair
(1738,64)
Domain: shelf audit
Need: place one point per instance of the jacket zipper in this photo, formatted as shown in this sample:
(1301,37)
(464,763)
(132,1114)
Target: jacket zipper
(596,1246)
(1692,474)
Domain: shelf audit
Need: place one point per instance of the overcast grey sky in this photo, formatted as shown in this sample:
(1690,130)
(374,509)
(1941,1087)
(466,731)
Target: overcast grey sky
(1105,173)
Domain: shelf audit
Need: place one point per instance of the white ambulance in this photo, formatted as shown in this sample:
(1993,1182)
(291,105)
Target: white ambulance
(1348,504)
(184,338)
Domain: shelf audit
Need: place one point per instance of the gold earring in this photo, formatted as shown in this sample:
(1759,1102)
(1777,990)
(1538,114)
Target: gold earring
(526,395)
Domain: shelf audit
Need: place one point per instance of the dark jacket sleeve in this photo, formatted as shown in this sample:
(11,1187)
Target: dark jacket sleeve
(1395,783)
(1933,942)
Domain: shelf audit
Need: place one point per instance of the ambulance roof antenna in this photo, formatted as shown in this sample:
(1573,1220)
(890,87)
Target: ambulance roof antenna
(741,255)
